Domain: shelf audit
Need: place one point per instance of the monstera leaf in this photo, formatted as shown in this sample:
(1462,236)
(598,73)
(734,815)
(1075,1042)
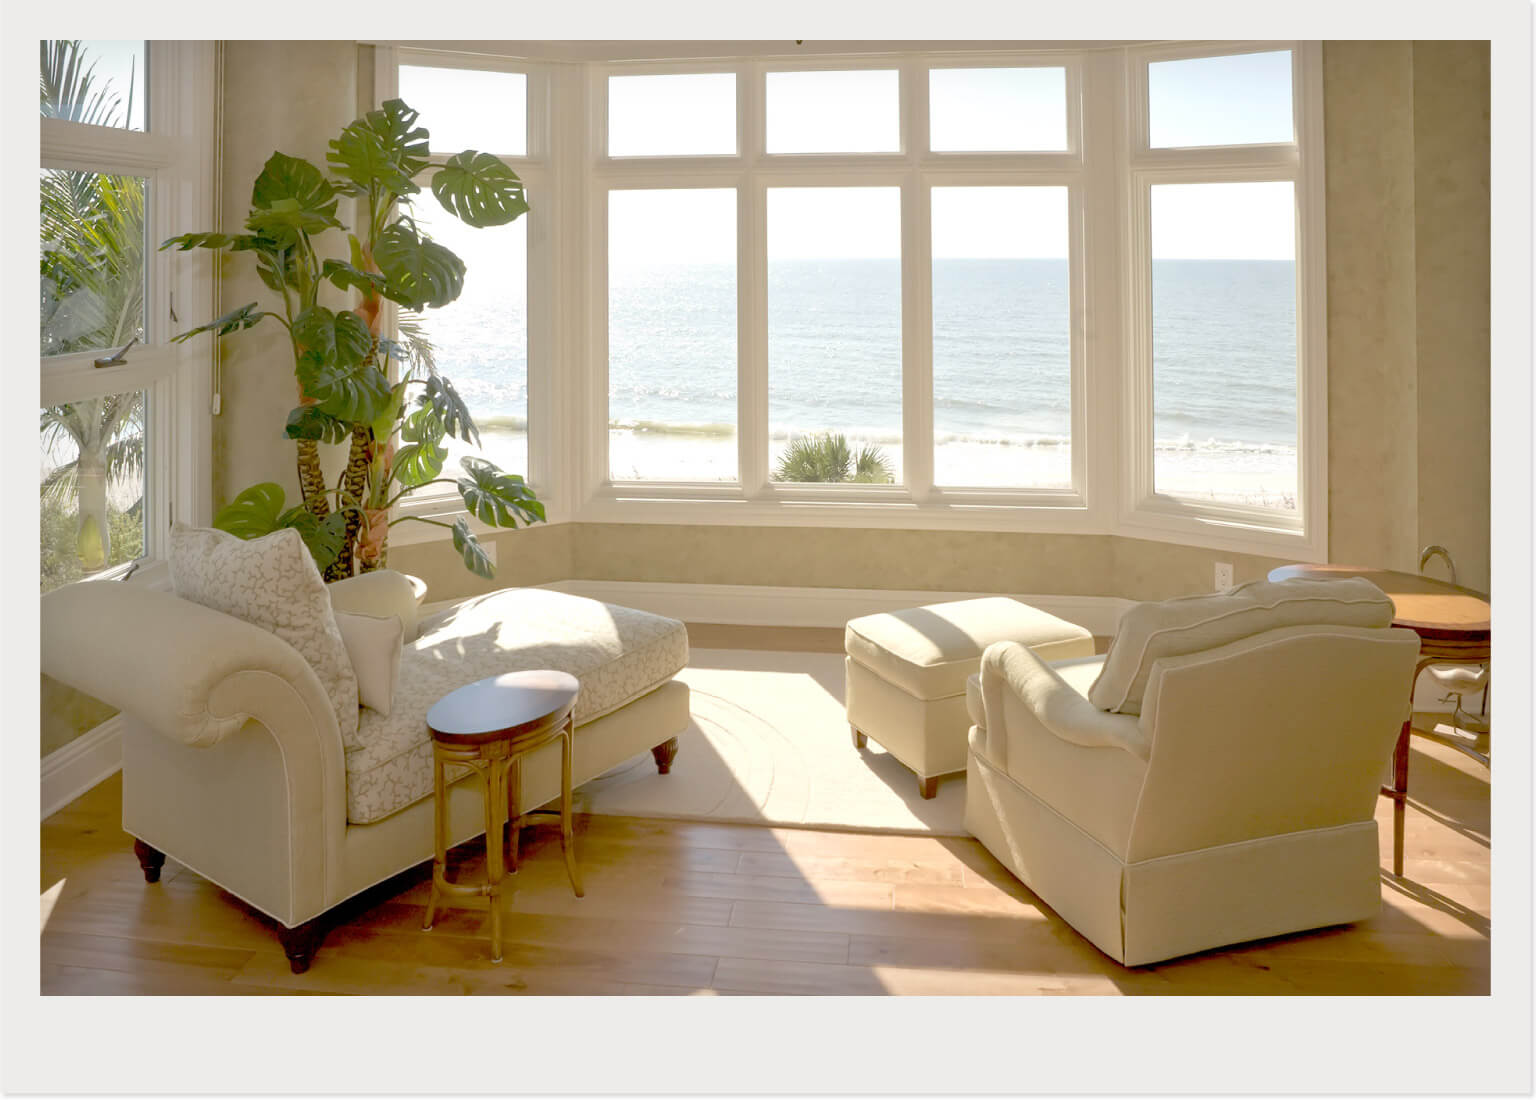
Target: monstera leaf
(291,197)
(385,148)
(497,499)
(449,409)
(337,339)
(479,190)
(259,511)
(188,241)
(359,394)
(476,560)
(419,273)
(247,316)
(346,276)
(308,422)
(421,457)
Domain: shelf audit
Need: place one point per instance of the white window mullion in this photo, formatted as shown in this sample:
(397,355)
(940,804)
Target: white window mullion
(916,291)
(752,291)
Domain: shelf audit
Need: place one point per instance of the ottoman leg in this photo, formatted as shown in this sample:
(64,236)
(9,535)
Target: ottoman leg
(664,754)
(928,787)
(859,740)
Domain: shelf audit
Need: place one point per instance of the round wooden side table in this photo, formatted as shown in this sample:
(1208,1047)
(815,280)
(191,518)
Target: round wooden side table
(1454,627)
(490,726)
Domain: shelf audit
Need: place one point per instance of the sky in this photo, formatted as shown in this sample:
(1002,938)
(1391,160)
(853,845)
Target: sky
(1236,99)
(117,62)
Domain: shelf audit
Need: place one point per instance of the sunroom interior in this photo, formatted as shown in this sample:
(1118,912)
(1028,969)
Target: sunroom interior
(791,334)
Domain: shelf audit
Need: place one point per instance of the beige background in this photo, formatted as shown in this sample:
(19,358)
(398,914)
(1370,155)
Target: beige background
(1408,364)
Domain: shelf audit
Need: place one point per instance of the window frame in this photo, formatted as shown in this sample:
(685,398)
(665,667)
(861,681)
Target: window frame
(1107,160)
(1300,534)
(539,175)
(174,155)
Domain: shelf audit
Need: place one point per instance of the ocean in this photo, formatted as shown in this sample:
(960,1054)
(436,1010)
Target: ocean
(1224,370)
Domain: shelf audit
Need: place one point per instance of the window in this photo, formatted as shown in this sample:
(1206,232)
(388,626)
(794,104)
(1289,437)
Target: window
(1226,422)
(1002,337)
(1072,290)
(689,114)
(488,341)
(834,334)
(122,432)
(469,108)
(1240,99)
(672,335)
(986,109)
(1224,342)
(834,112)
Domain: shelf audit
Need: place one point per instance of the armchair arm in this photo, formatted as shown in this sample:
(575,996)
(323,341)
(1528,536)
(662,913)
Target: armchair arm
(1009,669)
(192,673)
(381,593)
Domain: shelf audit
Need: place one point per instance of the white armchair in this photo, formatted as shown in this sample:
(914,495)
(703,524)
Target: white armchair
(1238,804)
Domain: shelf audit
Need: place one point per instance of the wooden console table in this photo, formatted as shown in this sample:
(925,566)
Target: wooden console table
(1454,627)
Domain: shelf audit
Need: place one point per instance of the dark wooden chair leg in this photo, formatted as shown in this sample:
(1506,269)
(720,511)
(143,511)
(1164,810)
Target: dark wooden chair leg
(150,860)
(928,787)
(301,942)
(859,739)
(665,753)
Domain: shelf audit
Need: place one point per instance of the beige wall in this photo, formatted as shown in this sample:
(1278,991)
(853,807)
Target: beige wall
(291,97)
(1407,224)
(1451,276)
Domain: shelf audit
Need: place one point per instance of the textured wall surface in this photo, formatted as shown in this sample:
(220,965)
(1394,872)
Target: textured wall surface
(289,97)
(1451,276)
(1372,384)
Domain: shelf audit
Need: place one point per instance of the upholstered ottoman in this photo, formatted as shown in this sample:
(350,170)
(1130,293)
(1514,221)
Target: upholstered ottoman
(906,673)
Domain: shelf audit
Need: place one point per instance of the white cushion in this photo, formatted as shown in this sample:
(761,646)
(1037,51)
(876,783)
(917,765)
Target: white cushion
(1192,624)
(381,592)
(929,652)
(617,653)
(373,646)
(270,582)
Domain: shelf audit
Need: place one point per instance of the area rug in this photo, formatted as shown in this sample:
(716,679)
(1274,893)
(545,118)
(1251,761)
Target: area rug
(769,745)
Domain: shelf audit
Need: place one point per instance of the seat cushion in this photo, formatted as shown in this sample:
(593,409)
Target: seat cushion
(1192,624)
(929,651)
(617,653)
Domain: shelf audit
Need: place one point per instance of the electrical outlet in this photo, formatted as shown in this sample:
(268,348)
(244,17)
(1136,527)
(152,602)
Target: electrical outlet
(1223,576)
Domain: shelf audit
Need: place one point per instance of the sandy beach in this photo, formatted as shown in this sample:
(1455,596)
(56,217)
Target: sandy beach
(1260,476)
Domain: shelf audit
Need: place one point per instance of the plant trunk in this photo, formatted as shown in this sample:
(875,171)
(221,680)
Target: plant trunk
(93,534)
(312,479)
(354,492)
(373,547)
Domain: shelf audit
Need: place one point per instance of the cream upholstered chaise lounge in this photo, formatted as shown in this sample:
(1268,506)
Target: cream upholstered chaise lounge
(233,764)
(1212,779)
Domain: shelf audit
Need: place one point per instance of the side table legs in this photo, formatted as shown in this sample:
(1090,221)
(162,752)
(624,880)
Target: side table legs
(567,833)
(493,769)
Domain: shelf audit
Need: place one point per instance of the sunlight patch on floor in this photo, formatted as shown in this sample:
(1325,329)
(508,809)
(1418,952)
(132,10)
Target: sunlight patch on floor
(50,898)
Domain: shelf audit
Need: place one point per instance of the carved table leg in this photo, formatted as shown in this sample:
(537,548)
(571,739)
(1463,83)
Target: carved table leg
(150,860)
(665,753)
(301,943)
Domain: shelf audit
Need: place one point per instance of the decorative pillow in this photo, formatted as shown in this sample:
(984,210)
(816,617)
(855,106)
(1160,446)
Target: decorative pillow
(373,646)
(1191,624)
(270,582)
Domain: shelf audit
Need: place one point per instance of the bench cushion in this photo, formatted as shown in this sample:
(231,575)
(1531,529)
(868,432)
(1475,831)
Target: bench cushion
(617,653)
(929,651)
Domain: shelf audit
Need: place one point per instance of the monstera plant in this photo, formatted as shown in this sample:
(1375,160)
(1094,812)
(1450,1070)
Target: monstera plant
(384,398)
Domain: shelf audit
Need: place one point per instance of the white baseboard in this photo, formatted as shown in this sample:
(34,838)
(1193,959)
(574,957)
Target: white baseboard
(762,605)
(69,772)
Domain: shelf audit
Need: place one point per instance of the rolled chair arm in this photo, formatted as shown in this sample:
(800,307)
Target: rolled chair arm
(381,593)
(192,673)
(1009,668)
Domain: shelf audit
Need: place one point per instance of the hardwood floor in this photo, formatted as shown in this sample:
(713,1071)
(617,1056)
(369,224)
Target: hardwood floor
(678,907)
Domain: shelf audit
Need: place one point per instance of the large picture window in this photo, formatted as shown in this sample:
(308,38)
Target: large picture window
(1066,290)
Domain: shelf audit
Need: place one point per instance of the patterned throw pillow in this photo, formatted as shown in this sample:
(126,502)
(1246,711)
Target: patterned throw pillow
(270,582)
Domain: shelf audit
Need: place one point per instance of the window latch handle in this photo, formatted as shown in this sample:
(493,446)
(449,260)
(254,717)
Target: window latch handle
(116,358)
